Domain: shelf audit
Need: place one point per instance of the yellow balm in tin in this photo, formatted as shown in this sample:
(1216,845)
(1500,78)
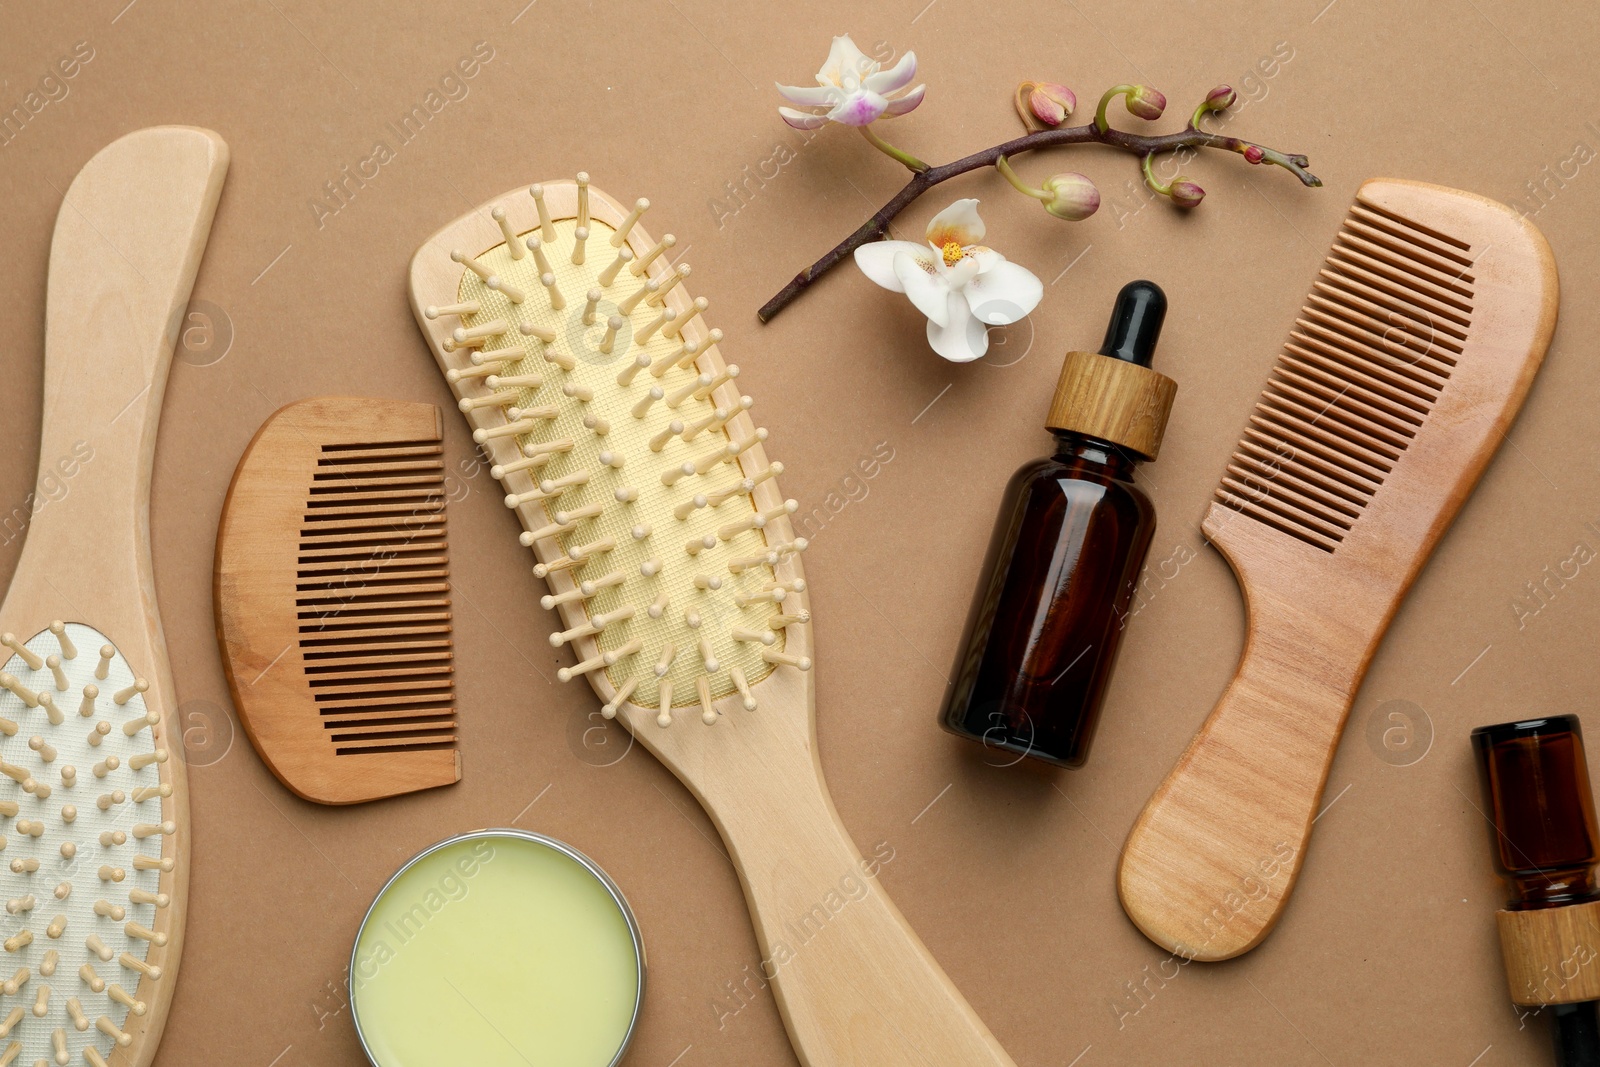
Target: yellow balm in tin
(497,947)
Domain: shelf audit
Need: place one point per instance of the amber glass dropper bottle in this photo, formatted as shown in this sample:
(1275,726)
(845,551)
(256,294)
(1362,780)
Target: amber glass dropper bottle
(1535,782)
(1067,551)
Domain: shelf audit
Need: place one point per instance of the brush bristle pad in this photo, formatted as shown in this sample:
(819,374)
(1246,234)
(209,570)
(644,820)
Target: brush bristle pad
(74,894)
(647,534)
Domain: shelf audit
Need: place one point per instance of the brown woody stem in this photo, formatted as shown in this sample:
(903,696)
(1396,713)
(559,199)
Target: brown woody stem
(1139,144)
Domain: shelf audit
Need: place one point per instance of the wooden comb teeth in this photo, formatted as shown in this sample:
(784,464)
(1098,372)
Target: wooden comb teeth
(623,444)
(1368,358)
(372,593)
(1400,378)
(333,599)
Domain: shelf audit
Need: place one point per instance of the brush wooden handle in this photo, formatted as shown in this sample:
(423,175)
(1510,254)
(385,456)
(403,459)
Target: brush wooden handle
(1214,855)
(855,985)
(127,246)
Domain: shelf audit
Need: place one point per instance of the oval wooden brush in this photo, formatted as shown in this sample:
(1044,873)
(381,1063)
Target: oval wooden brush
(1406,368)
(95,812)
(628,452)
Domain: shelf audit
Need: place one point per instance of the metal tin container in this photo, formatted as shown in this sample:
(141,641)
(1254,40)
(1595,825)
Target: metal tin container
(551,843)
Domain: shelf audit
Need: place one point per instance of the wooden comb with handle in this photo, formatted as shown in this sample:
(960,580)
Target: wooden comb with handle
(1402,375)
(127,245)
(332,587)
(644,489)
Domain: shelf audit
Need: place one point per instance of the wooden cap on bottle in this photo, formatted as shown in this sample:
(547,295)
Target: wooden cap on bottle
(1550,955)
(1117,401)
(1113,394)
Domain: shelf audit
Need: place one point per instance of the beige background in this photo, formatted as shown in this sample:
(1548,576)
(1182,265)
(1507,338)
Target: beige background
(1386,955)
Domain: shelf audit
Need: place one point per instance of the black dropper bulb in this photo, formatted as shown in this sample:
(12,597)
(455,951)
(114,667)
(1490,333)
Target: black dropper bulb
(1135,325)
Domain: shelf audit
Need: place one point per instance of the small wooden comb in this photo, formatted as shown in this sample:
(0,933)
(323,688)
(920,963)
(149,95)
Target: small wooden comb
(332,593)
(1406,368)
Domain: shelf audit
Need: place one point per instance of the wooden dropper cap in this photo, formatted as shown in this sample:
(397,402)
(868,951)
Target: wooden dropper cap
(1113,394)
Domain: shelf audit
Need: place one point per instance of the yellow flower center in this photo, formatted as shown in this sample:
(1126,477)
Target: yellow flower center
(952,253)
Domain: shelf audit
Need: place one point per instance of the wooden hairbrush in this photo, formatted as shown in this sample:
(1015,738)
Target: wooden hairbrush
(95,811)
(643,487)
(332,589)
(1408,364)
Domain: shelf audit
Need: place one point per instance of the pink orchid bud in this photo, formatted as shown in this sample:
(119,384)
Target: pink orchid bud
(1220,98)
(1051,103)
(1146,103)
(1073,196)
(1254,154)
(1186,194)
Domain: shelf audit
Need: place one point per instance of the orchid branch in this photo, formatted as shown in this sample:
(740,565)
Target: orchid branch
(1064,195)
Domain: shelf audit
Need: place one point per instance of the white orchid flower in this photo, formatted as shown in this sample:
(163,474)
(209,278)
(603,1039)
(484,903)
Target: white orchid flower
(961,286)
(852,88)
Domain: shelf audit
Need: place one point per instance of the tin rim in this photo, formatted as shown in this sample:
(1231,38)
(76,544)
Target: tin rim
(539,839)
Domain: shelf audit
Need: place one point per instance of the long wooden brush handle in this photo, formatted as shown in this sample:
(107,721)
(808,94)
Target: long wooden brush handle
(855,985)
(127,246)
(1210,862)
